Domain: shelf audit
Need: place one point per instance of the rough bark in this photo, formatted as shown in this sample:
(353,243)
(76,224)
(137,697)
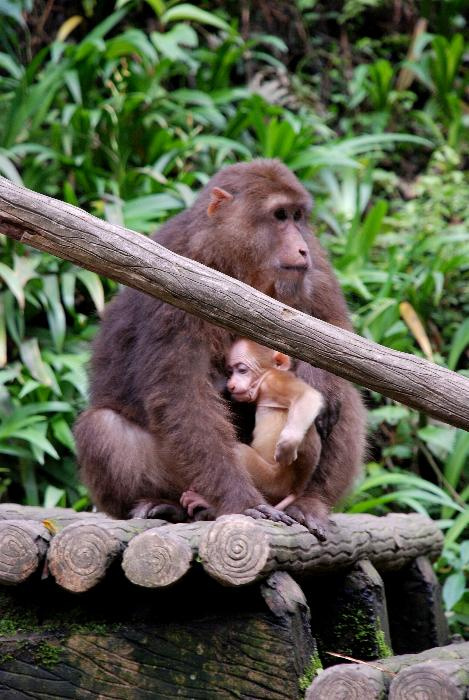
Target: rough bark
(372,681)
(81,553)
(139,262)
(237,550)
(23,546)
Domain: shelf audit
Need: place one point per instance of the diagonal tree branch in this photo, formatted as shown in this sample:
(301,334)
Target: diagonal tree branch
(128,257)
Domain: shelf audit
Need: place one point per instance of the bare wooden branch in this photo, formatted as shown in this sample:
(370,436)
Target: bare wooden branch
(22,549)
(236,550)
(82,552)
(137,261)
(371,681)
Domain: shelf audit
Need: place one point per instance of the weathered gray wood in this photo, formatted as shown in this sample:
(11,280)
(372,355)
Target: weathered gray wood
(236,550)
(139,262)
(195,640)
(372,681)
(81,553)
(160,557)
(415,610)
(57,518)
(432,680)
(22,548)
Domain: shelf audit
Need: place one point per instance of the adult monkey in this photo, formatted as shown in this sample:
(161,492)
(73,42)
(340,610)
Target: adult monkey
(158,424)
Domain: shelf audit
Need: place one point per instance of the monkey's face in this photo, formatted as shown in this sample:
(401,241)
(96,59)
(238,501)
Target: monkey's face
(245,372)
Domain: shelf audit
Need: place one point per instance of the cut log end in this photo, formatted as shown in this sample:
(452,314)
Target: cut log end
(445,680)
(80,555)
(156,560)
(235,550)
(22,547)
(347,682)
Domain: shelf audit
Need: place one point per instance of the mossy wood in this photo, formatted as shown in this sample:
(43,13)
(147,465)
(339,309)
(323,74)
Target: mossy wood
(197,640)
(128,257)
(441,673)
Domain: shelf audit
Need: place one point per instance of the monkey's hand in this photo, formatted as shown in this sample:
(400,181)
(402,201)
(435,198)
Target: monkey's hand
(286,451)
(317,526)
(266,512)
(191,501)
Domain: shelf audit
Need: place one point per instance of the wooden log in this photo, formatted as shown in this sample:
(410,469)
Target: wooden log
(23,546)
(415,610)
(82,552)
(194,640)
(14,511)
(431,680)
(339,682)
(236,550)
(348,613)
(372,680)
(133,259)
(160,557)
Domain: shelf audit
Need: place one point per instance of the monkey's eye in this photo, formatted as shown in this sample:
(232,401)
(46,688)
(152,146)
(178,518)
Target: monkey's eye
(241,369)
(297,214)
(281,214)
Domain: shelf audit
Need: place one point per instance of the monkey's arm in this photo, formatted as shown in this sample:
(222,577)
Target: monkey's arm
(305,406)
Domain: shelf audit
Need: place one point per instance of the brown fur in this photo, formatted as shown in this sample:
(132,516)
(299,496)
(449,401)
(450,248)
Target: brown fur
(157,422)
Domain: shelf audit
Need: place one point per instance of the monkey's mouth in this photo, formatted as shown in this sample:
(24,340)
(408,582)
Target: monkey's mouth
(302,267)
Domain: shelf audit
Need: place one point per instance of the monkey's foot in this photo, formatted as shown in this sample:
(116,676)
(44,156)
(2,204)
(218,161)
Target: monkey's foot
(316,526)
(171,512)
(266,512)
(191,501)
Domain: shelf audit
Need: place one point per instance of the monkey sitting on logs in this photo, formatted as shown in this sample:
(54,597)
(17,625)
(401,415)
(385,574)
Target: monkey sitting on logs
(158,422)
(286,408)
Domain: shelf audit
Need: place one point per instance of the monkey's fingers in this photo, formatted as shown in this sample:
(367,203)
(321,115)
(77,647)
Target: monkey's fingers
(266,512)
(316,526)
(171,512)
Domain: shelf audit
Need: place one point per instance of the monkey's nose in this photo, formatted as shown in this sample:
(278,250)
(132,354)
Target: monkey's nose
(303,252)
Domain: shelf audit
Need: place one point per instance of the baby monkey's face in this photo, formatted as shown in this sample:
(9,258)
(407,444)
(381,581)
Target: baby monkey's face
(247,363)
(243,373)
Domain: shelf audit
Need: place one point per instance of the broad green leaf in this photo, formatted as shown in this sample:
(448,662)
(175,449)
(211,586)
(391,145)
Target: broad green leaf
(459,343)
(453,589)
(62,433)
(3,334)
(11,278)
(55,312)
(54,497)
(187,12)
(94,286)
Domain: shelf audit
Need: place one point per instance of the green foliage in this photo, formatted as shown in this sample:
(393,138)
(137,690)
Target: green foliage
(128,114)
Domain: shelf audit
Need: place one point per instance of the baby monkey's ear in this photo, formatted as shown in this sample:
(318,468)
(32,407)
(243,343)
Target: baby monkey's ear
(281,361)
(217,197)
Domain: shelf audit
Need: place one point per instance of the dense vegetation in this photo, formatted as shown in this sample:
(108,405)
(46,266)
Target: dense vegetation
(128,113)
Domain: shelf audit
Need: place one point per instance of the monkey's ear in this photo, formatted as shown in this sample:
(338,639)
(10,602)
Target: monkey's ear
(217,196)
(282,361)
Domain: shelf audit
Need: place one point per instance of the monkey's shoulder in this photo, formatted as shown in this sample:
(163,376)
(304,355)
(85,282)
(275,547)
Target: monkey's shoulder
(279,388)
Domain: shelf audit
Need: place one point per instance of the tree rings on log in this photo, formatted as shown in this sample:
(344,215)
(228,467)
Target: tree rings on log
(235,550)
(22,548)
(432,680)
(80,555)
(155,559)
(365,683)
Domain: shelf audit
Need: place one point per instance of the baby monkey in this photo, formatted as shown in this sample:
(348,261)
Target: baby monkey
(286,408)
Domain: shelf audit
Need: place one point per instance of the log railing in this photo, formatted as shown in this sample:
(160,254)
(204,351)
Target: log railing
(128,257)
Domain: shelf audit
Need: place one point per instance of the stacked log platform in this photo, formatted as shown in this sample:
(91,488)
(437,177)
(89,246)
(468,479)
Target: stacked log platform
(97,607)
